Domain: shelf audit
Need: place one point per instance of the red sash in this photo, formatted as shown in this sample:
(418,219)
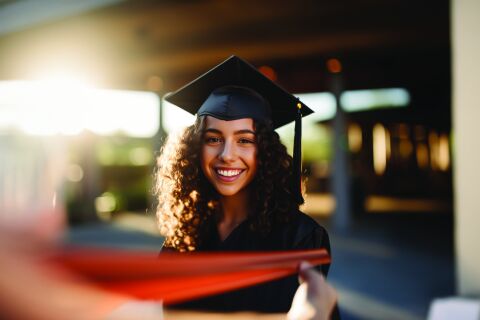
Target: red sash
(178,277)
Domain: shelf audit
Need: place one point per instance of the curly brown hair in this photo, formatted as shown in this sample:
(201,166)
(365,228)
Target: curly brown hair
(187,201)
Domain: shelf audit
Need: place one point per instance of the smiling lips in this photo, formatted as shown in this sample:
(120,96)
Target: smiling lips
(228,175)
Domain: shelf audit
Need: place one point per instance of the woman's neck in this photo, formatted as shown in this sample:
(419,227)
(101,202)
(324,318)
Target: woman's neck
(234,211)
(235,208)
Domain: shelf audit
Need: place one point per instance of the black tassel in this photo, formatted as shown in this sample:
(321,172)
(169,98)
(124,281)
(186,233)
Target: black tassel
(297,155)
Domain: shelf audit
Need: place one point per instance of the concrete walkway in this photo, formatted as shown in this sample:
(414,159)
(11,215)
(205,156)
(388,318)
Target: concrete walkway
(392,266)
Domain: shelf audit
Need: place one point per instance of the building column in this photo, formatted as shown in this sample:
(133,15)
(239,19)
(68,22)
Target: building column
(466,118)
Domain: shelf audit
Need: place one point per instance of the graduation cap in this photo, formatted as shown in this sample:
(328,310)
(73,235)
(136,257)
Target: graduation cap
(235,89)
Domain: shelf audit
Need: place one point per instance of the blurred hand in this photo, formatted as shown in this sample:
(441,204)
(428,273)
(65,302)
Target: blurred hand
(315,298)
(31,232)
(30,288)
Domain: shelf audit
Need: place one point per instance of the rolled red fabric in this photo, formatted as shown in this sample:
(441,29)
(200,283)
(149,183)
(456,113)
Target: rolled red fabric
(178,277)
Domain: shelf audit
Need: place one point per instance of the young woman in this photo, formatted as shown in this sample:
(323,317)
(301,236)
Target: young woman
(227,182)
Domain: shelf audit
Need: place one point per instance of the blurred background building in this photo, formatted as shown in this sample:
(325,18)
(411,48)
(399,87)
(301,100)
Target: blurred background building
(82,119)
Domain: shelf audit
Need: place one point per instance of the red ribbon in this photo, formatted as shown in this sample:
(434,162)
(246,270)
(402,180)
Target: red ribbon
(178,277)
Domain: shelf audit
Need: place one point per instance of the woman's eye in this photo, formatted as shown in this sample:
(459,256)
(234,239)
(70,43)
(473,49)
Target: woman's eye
(245,141)
(213,140)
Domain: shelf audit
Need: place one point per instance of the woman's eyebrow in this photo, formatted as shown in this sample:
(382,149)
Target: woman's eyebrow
(244,131)
(213,130)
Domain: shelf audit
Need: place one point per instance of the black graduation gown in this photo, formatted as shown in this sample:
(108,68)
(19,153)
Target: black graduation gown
(276,296)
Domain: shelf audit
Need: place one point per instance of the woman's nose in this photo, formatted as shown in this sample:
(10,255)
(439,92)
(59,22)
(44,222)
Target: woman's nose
(228,152)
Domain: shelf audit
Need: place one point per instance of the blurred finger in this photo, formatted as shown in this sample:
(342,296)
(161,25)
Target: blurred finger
(45,225)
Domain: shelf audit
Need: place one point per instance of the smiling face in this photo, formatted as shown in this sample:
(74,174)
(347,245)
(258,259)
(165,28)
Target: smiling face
(229,153)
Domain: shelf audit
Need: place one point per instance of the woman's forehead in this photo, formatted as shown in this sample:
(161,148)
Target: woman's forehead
(229,125)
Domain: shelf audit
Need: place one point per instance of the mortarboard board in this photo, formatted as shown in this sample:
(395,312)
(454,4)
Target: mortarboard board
(234,89)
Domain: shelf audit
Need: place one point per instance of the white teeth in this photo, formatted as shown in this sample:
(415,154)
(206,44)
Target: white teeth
(228,173)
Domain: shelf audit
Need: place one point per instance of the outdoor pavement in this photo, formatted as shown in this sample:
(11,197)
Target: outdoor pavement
(392,266)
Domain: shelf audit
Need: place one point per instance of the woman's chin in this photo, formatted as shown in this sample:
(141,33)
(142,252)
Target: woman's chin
(229,191)
(226,193)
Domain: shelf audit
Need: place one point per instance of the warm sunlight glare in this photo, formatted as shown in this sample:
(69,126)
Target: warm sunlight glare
(68,106)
